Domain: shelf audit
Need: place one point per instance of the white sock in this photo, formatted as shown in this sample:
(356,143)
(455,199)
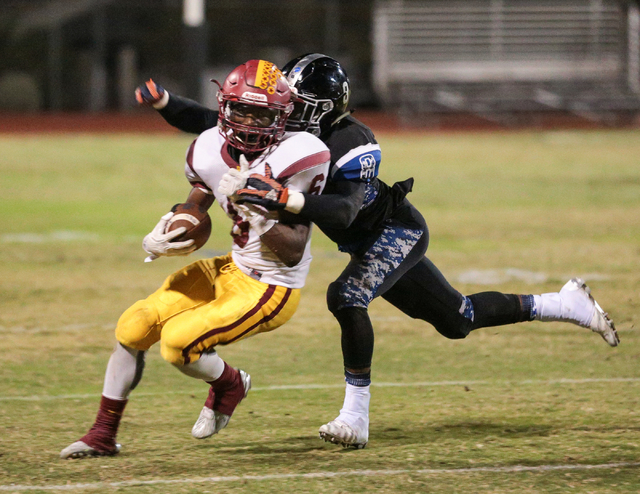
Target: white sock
(356,404)
(548,306)
(124,371)
(208,367)
(576,308)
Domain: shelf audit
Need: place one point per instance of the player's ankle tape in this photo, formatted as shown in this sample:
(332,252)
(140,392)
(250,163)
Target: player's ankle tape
(357,379)
(528,307)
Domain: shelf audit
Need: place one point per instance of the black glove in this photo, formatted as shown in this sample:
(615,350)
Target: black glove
(149,93)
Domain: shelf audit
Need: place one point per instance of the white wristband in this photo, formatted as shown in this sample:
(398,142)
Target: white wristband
(162,102)
(295,202)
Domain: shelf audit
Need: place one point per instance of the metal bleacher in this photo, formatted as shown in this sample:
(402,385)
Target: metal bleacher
(495,58)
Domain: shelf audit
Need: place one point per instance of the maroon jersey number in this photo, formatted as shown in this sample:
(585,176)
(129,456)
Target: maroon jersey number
(314,188)
(240,229)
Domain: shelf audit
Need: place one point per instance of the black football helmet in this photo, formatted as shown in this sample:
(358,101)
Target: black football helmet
(321,92)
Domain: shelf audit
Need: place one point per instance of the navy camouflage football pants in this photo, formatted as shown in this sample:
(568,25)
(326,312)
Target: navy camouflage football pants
(394,267)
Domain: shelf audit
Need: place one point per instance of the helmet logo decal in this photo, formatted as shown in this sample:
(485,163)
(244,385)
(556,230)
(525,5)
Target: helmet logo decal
(267,76)
(296,72)
(254,96)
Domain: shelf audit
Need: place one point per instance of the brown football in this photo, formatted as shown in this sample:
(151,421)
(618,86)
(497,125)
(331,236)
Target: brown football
(195,219)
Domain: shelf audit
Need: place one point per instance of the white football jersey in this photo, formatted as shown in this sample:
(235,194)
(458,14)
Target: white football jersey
(300,161)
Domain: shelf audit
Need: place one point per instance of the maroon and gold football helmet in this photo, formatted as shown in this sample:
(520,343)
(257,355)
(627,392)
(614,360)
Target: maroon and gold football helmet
(255,102)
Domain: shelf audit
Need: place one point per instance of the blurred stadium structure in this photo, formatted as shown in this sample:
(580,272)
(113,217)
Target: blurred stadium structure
(501,60)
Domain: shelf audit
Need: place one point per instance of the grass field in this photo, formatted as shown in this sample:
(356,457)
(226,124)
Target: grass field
(521,409)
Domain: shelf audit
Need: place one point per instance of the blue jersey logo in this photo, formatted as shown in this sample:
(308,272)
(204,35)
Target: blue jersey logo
(361,167)
(367,166)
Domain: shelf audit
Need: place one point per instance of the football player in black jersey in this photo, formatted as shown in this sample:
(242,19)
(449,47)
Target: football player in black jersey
(384,234)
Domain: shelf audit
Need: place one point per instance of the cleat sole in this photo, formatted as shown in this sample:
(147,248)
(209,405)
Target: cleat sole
(335,440)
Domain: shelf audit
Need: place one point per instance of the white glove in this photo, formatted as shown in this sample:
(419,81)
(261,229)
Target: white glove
(234,179)
(158,243)
(258,222)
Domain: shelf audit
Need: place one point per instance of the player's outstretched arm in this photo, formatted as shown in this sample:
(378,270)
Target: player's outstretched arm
(337,207)
(188,116)
(179,112)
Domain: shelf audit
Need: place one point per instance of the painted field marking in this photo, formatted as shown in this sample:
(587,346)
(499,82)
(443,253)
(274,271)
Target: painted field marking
(316,475)
(285,387)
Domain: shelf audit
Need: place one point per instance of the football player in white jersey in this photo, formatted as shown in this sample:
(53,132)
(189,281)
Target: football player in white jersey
(253,289)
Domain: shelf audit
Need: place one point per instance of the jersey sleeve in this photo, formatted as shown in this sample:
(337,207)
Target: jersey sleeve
(187,115)
(304,162)
(310,180)
(355,153)
(189,171)
(359,164)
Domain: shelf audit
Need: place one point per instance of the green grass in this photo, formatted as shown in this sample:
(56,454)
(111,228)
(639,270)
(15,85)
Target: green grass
(528,210)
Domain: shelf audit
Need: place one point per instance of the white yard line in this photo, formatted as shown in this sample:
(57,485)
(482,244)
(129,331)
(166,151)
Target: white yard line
(315,475)
(285,387)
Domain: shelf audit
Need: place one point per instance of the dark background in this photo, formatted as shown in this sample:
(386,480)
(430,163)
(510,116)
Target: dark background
(89,55)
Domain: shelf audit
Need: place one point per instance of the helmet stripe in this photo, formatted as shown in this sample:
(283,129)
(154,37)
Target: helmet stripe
(267,76)
(296,72)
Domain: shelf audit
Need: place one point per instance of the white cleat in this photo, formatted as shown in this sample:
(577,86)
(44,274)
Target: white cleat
(205,426)
(339,432)
(80,449)
(582,309)
(221,420)
(246,381)
(211,422)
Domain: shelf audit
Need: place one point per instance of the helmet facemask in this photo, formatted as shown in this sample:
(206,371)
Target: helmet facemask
(307,114)
(250,127)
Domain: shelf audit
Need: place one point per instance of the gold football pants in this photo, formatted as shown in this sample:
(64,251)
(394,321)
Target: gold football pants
(207,303)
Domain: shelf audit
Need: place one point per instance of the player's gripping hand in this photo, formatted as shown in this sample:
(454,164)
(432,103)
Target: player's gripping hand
(264,191)
(234,179)
(150,94)
(158,243)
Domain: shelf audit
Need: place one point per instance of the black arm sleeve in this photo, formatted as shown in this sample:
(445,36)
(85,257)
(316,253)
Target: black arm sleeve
(187,115)
(338,205)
